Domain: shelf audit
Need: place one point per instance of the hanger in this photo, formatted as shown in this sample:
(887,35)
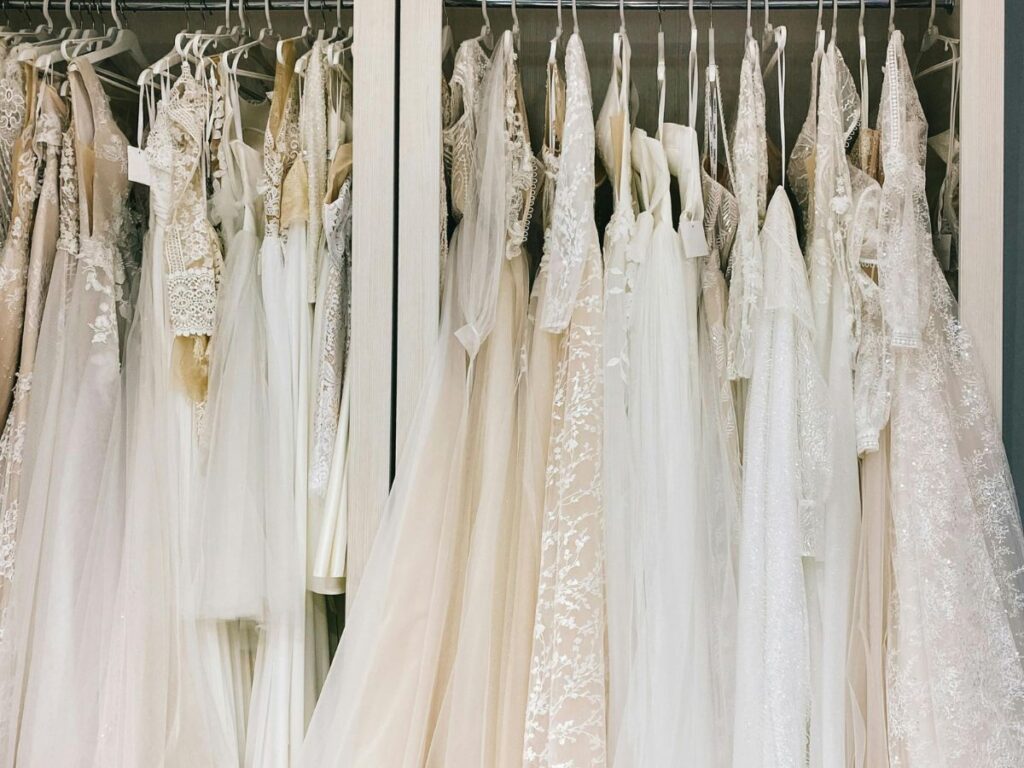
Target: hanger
(819,31)
(661,74)
(124,41)
(691,70)
(553,51)
(865,103)
(622,18)
(302,37)
(768,35)
(33,52)
(486,36)
(515,25)
(780,53)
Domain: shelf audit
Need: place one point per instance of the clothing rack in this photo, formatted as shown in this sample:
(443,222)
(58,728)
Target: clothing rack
(699,5)
(197,6)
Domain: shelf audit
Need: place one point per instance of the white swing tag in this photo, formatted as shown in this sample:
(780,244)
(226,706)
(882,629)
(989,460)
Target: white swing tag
(695,245)
(138,166)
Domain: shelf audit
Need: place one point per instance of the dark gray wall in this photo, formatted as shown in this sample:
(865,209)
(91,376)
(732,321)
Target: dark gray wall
(1013,245)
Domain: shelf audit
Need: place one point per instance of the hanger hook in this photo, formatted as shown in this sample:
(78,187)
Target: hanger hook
(46,15)
(660,18)
(114,13)
(767,21)
(337,11)
(892,16)
(835,18)
(750,27)
(305,14)
(486,29)
(266,13)
(622,17)
(515,24)
(575,19)
(821,11)
(860,22)
(931,17)
(558,26)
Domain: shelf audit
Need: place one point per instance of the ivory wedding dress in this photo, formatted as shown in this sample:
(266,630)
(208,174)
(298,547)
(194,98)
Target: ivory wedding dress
(292,657)
(955,682)
(786,474)
(50,715)
(613,147)
(566,710)
(416,677)
(52,120)
(721,471)
(538,362)
(832,537)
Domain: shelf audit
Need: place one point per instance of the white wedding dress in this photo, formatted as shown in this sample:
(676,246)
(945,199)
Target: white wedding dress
(955,687)
(786,445)
(613,147)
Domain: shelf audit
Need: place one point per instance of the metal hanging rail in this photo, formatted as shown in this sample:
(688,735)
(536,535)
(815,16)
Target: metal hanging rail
(192,6)
(699,5)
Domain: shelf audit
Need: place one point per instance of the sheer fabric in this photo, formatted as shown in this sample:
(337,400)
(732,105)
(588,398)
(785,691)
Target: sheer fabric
(613,147)
(566,711)
(955,683)
(443,517)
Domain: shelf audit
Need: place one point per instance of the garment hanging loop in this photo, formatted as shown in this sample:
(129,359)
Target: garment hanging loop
(780,40)
(691,70)
(515,25)
(485,30)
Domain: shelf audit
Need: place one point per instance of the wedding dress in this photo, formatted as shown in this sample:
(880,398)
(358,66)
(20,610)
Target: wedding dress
(613,147)
(955,682)
(414,681)
(786,474)
(13,111)
(566,709)
(41,248)
(292,658)
(332,328)
(15,252)
(721,472)
(831,537)
(51,715)
(538,362)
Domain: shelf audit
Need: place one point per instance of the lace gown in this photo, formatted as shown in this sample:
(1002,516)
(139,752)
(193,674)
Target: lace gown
(614,147)
(413,687)
(538,360)
(46,653)
(328,472)
(14,255)
(955,682)
(12,116)
(566,709)
(293,657)
(785,475)
(42,250)
(833,534)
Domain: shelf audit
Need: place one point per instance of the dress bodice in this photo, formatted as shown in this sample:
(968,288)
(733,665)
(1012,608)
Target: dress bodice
(281,141)
(191,250)
(468,75)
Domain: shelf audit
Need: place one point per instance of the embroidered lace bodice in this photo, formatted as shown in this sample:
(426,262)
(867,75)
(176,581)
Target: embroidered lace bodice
(191,247)
(470,69)
(12,118)
(750,162)
(281,141)
(337,336)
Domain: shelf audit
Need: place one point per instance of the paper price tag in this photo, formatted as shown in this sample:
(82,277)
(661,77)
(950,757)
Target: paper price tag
(138,166)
